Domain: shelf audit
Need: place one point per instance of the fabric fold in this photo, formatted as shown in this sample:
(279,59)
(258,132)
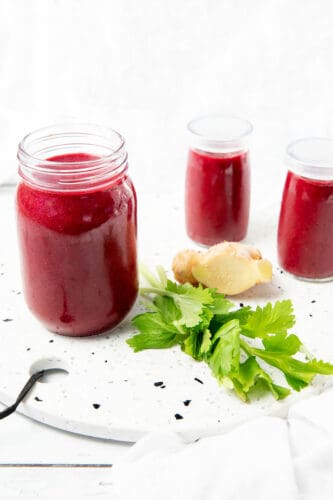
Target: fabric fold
(252,461)
(267,458)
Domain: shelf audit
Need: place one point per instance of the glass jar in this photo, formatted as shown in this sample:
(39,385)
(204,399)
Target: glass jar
(305,233)
(76,215)
(217,190)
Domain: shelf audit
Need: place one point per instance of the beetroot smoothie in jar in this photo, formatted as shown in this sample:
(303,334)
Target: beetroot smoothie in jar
(217,191)
(305,233)
(76,215)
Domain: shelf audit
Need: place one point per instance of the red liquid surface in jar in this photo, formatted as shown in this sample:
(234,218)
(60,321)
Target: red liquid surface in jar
(217,196)
(305,234)
(78,253)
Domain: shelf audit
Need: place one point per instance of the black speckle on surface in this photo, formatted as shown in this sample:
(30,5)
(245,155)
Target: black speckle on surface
(198,380)
(18,293)
(310,315)
(92,353)
(96,406)
(158,384)
(281,272)
(178,416)
(105,361)
(6,320)
(125,380)
(241,304)
(52,340)
(38,399)
(313,301)
(163,386)
(187,402)
(28,348)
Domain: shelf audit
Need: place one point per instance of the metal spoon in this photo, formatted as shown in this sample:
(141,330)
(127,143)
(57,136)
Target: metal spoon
(28,386)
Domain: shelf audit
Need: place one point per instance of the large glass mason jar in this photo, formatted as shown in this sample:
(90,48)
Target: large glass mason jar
(305,234)
(217,192)
(76,215)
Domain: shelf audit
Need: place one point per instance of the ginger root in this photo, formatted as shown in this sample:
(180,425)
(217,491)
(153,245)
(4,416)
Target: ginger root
(231,268)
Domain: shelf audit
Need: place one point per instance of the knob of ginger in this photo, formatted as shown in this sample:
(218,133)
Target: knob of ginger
(231,268)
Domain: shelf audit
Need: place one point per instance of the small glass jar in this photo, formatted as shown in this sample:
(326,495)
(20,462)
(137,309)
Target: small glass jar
(217,190)
(76,215)
(305,233)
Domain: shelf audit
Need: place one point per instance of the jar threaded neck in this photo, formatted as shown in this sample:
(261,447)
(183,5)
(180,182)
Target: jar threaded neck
(100,152)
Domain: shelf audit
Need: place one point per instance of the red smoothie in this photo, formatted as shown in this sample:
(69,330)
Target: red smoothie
(78,253)
(305,234)
(217,196)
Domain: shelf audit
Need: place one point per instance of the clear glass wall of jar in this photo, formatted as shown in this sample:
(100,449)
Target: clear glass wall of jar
(305,233)
(76,215)
(217,192)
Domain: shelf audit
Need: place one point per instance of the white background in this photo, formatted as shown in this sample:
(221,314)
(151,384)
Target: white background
(146,67)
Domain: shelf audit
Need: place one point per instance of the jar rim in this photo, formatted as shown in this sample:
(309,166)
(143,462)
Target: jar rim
(104,144)
(217,131)
(222,117)
(51,130)
(311,157)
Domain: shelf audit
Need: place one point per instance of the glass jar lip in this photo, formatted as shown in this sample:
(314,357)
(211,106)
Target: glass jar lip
(51,130)
(220,116)
(105,146)
(311,157)
(217,132)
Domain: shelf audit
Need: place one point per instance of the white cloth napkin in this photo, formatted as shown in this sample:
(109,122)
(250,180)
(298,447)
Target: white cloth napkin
(268,458)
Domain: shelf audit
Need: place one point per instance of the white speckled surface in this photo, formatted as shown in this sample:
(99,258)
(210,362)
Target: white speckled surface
(104,371)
